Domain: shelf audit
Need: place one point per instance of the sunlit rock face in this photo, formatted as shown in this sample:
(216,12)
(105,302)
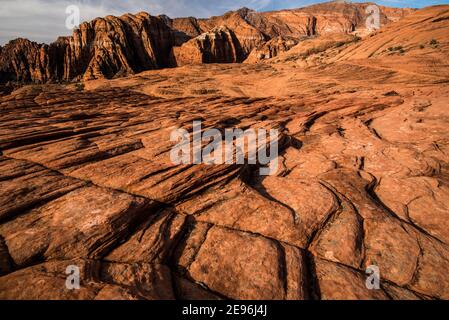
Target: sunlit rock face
(113,47)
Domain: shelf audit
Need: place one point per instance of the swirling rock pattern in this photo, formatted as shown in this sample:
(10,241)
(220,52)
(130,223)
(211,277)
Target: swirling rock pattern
(86,178)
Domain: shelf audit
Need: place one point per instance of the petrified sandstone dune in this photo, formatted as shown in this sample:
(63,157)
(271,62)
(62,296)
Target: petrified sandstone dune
(86,177)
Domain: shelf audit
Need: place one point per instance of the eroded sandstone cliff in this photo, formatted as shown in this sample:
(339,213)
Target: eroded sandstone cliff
(103,48)
(219,45)
(118,46)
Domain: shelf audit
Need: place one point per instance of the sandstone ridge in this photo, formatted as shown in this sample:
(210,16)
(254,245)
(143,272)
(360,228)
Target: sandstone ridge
(119,46)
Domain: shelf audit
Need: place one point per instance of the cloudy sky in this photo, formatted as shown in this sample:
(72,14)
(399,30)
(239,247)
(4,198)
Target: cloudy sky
(44,20)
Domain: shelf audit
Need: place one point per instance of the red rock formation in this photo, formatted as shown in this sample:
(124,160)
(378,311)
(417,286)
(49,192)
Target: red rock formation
(112,46)
(118,46)
(219,45)
(253,28)
(23,60)
(103,48)
(183,29)
(270,49)
(86,177)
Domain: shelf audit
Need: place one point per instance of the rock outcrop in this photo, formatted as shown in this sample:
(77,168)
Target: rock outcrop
(103,48)
(219,45)
(118,46)
(252,28)
(24,61)
(271,49)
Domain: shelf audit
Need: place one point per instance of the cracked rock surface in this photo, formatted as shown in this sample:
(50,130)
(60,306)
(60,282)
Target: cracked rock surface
(86,179)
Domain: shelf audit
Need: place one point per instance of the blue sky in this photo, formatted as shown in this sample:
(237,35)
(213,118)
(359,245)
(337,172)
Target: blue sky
(44,20)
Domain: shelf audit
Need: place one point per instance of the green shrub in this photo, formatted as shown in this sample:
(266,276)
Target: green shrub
(79,86)
(398,48)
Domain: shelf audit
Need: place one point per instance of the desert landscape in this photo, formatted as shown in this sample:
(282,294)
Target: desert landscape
(86,177)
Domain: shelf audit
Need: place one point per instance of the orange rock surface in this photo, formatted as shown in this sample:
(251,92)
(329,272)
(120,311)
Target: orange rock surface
(86,177)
